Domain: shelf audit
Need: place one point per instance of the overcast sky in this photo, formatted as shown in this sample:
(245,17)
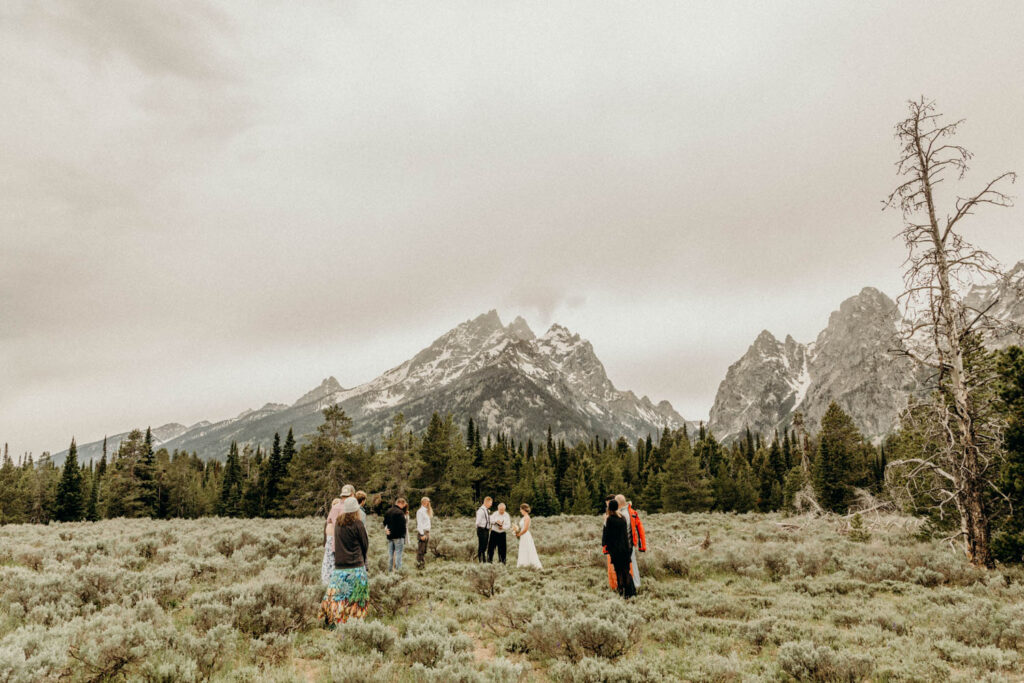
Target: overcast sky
(208,206)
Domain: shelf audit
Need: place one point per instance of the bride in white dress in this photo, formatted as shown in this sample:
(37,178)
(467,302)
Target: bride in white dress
(527,549)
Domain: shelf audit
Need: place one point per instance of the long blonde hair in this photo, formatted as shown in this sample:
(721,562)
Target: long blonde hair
(430,510)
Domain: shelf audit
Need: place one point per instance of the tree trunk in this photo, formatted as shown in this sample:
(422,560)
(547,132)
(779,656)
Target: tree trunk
(970,500)
(977,544)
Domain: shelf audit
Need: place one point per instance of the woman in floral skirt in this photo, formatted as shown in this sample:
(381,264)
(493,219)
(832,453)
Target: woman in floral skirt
(348,590)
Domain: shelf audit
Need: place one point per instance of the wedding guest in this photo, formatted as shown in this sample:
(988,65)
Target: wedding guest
(327,566)
(395,528)
(348,590)
(501,522)
(612,583)
(423,517)
(361,499)
(483,528)
(615,540)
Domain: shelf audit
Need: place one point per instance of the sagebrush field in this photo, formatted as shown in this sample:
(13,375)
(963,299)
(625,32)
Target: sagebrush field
(724,598)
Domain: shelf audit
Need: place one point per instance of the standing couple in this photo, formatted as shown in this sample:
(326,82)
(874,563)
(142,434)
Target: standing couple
(623,535)
(492,528)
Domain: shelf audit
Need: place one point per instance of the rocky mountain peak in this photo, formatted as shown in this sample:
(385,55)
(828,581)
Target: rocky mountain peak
(851,362)
(561,332)
(329,386)
(168,431)
(519,329)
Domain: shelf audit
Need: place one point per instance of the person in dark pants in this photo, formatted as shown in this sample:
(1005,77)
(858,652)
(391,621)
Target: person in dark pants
(423,517)
(483,528)
(395,522)
(616,542)
(501,522)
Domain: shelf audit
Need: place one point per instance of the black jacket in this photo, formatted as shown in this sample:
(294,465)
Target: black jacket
(350,545)
(394,522)
(615,539)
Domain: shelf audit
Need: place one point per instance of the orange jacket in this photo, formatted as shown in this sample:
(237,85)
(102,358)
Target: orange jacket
(639,538)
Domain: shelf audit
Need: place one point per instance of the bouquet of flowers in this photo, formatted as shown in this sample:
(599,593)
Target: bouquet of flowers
(515,528)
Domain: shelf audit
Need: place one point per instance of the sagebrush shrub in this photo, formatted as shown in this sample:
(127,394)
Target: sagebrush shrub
(112,644)
(366,636)
(806,661)
(393,594)
(425,648)
(272,648)
(589,670)
(988,657)
(484,579)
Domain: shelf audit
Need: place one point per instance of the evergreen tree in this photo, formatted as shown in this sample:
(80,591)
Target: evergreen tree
(792,485)
(497,471)
(323,466)
(288,451)
(749,445)
(839,442)
(433,454)
(230,503)
(1008,528)
(70,497)
(708,452)
(397,465)
(276,471)
(145,478)
(92,503)
(581,495)
(684,486)
(563,485)
(123,496)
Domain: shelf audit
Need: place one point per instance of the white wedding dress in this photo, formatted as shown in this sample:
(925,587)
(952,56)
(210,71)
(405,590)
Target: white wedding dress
(528,551)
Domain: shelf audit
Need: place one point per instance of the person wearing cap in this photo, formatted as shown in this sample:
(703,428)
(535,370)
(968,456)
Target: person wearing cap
(348,590)
(347,491)
(423,517)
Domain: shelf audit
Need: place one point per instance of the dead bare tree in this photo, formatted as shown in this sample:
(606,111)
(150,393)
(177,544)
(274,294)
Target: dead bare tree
(940,328)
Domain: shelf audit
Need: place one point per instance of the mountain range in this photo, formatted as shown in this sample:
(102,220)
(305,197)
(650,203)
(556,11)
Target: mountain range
(850,362)
(508,379)
(505,377)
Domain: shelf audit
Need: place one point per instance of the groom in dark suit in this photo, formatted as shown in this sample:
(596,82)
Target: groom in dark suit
(483,529)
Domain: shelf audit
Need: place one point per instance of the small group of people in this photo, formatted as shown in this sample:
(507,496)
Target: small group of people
(492,529)
(344,569)
(622,537)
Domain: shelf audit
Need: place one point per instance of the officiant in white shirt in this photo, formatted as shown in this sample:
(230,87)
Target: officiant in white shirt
(501,522)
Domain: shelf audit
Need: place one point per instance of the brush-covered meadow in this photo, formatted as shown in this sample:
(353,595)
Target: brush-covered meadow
(724,598)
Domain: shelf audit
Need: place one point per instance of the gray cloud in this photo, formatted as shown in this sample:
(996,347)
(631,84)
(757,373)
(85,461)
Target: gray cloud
(205,206)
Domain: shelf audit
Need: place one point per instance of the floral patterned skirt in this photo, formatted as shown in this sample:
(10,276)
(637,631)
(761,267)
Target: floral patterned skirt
(346,598)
